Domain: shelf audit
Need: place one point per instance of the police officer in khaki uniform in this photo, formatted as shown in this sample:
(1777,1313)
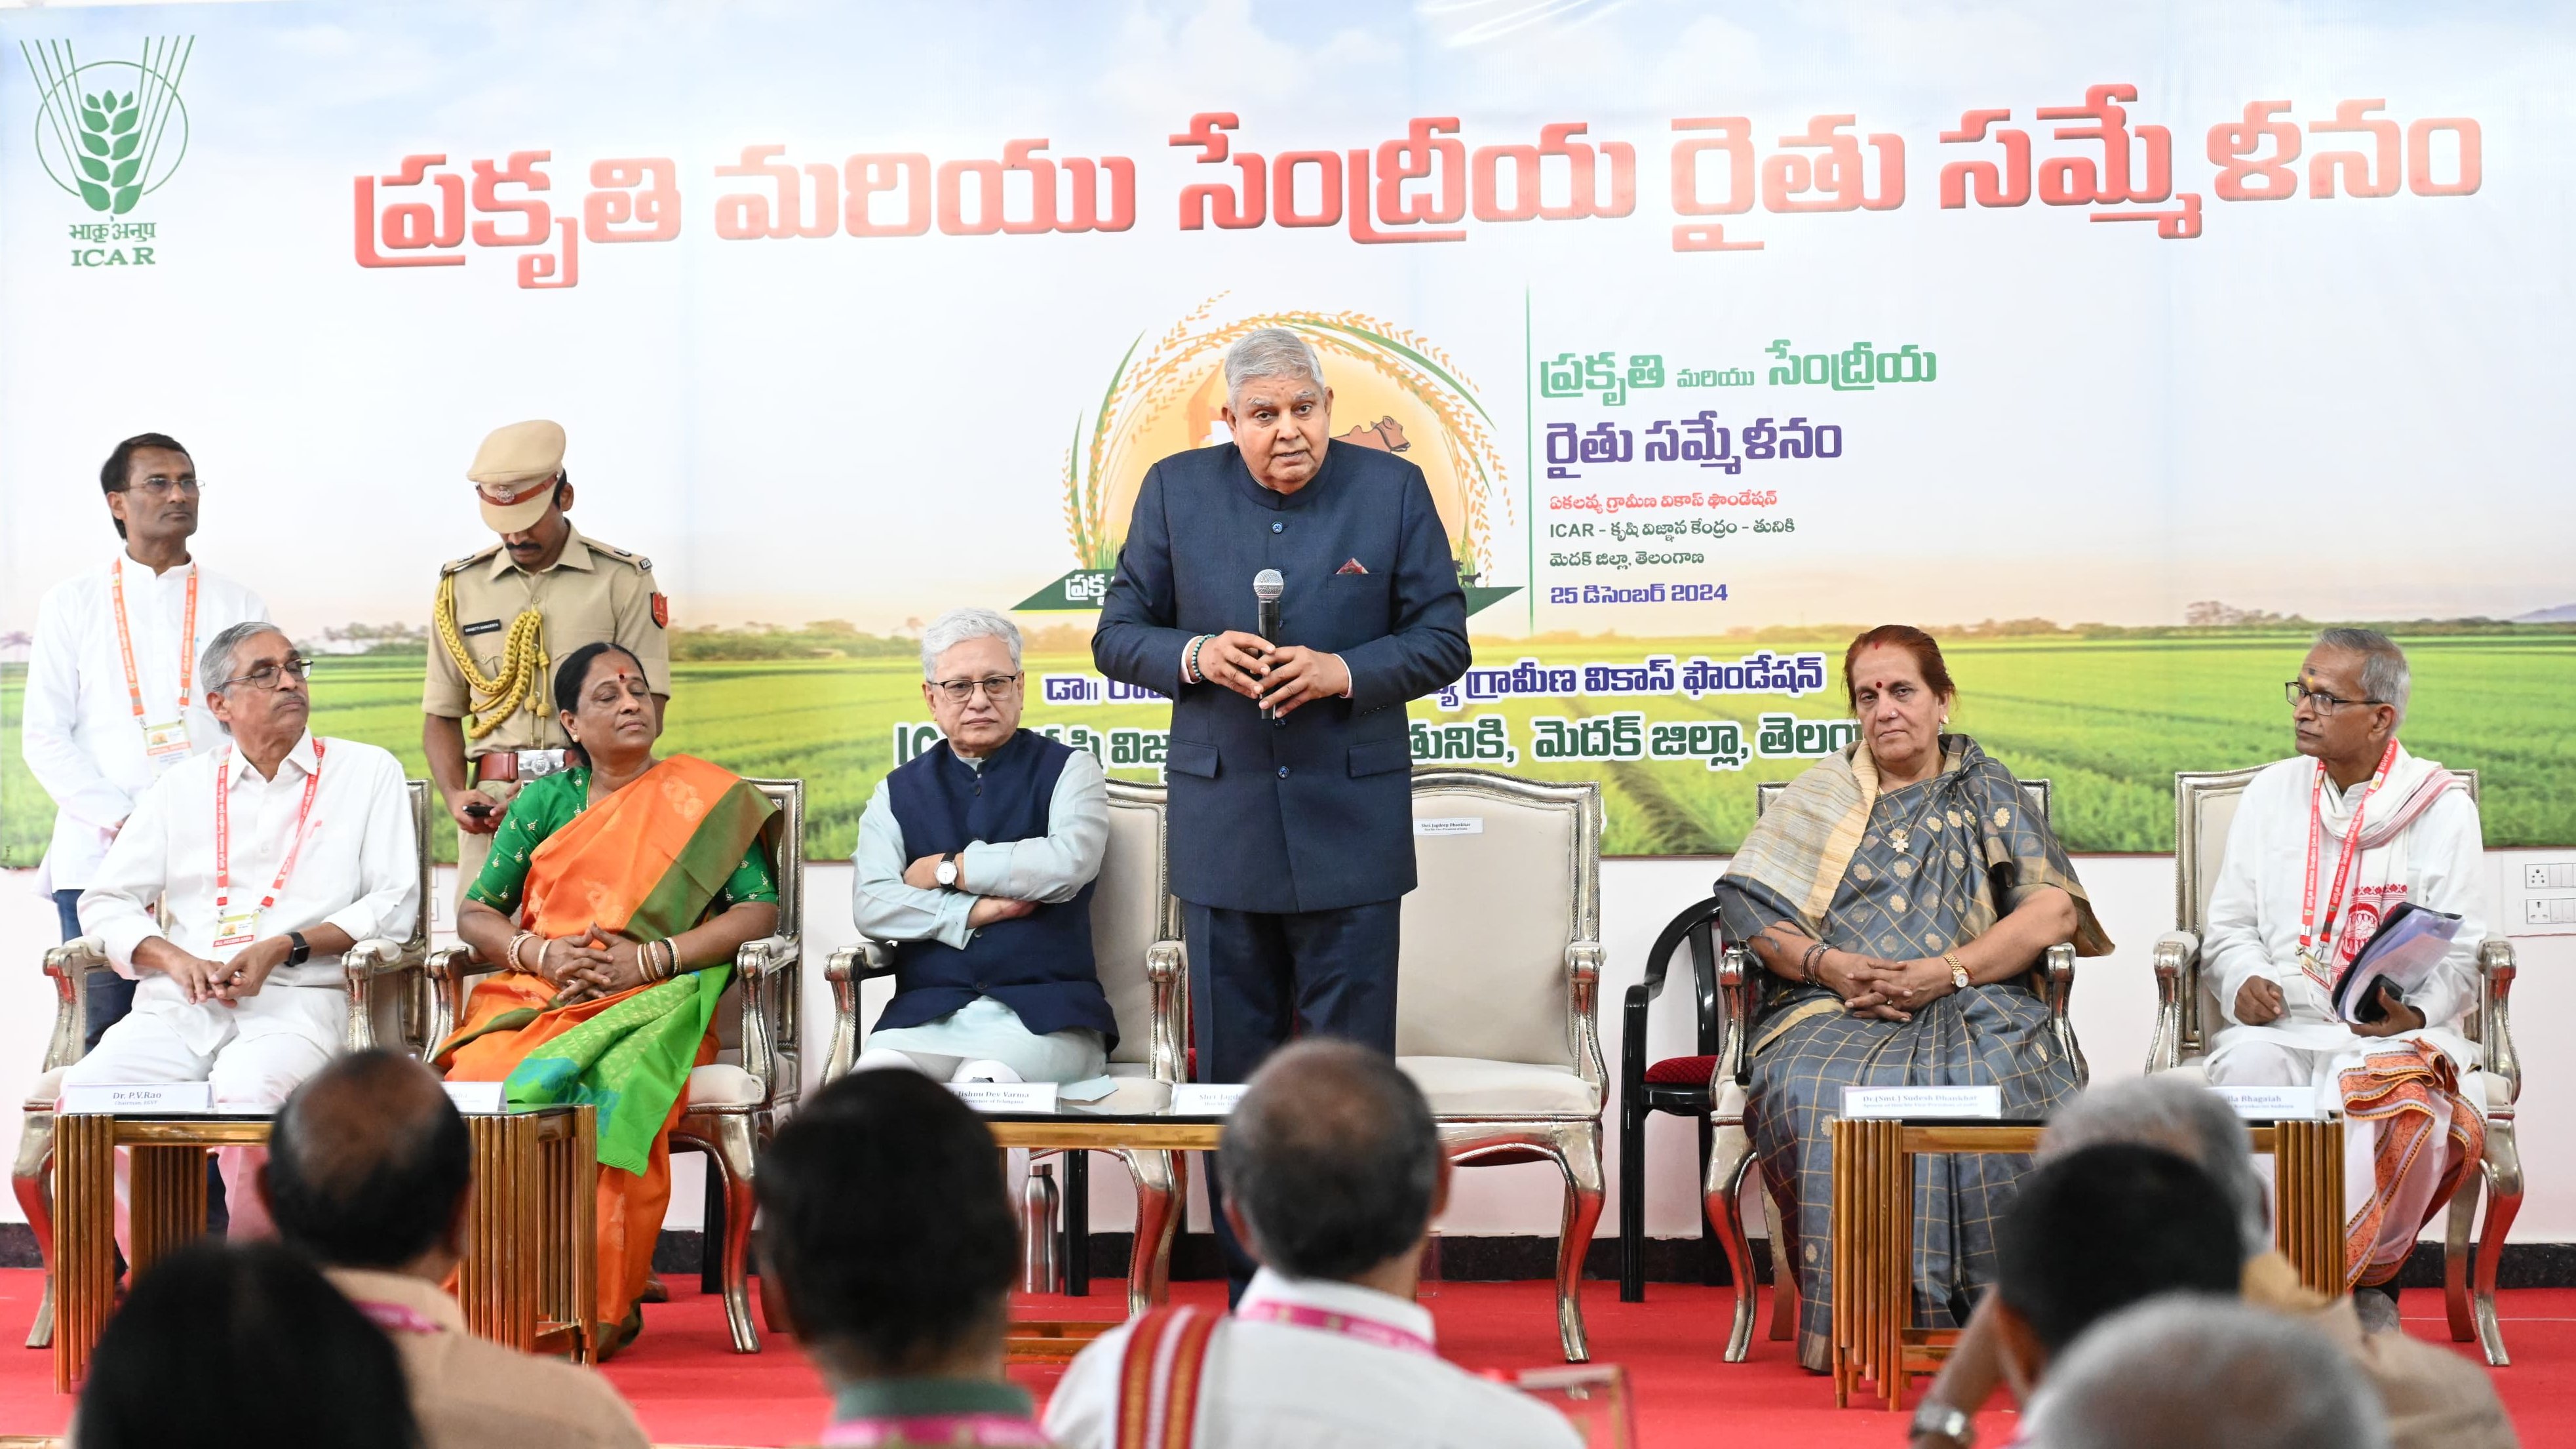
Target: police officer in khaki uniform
(502,618)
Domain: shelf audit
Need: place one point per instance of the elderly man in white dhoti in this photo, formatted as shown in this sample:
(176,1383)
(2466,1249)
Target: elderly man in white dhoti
(2324,848)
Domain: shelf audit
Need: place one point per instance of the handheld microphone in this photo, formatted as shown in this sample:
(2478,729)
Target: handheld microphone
(1267,586)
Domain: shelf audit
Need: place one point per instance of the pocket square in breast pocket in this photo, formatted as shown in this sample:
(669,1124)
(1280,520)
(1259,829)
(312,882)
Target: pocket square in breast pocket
(1352,567)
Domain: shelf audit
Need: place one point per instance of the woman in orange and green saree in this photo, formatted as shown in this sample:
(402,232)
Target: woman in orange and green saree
(614,899)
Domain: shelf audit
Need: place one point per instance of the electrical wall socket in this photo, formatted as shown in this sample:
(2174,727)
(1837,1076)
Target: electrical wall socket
(2549,875)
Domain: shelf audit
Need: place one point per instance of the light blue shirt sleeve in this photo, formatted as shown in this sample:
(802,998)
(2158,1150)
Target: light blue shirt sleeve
(1051,868)
(882,905)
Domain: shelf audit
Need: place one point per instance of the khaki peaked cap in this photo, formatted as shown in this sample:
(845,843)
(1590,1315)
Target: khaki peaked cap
(513,472)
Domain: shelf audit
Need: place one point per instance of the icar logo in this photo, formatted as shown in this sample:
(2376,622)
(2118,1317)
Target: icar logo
(110,132)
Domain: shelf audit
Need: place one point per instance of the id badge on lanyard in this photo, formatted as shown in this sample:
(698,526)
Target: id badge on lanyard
(165,742)
(236,927)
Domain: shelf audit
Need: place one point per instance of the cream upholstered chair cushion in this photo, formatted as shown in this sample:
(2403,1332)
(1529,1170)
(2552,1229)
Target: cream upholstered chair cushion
(1128,911)
(722,1084)
(1469,1087)
(1484,935)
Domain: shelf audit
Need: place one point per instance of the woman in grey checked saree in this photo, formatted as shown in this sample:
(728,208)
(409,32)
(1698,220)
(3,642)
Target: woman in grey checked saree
(1885,881)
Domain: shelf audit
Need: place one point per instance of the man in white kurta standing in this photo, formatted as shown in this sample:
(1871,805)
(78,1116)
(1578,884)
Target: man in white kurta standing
(113,697)
(273,855)
(2324,847)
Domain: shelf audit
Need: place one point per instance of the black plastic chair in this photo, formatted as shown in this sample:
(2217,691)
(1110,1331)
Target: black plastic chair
(1679,1085)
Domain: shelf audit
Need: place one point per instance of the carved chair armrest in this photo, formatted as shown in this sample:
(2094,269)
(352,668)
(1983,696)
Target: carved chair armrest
(449,971)
(2057,988)
(1736,987)
(845,969)
(2496,971)
(1583,1017)
(768,968)
(759,959)
(1167,966)
(364,965)
(69,965)
(2176,960)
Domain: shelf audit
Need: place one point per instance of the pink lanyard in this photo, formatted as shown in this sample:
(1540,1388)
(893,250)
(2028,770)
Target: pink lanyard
(990,1431)
(2314,941)
(394,1318)
(224,833)
(1366,1330)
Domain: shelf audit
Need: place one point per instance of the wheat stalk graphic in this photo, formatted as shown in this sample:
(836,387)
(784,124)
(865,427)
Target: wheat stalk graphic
(1141,390)
(107,142)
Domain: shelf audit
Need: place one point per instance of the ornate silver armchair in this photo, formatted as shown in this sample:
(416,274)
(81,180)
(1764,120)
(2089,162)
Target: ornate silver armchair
(1497,1001)
(385,1009)
(1740,997)
(732,1105)
(2188,1017)
(1136,947)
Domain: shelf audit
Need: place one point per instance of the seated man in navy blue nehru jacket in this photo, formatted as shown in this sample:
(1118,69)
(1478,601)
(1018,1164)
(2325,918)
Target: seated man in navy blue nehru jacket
(1291,826)
(978,857)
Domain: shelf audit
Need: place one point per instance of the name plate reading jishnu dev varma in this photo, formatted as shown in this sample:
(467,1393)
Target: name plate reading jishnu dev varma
(2276,1104)
(1967,1104)
(139,1097)
(478,1099)
(1006,1096)
(1206,1099)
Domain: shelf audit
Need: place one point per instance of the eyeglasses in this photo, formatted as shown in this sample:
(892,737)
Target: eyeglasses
(998,688)
(157,486)
(271,676)
(2325,703)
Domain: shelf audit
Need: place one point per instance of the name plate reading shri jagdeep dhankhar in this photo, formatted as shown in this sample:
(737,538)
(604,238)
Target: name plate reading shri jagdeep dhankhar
(139,1098)
(1966,1104)
(2275,1104)
(1006,1096)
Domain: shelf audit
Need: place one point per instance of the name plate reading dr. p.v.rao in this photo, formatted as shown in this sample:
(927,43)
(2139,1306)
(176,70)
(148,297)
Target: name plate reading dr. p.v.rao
(1962,1103)
(1206,1099)
(2276,1104)
(138,1097)
(1006,1096)
(479,1099)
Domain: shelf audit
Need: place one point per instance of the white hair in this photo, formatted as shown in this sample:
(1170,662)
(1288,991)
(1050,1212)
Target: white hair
(2186,1371)
(1269,352)
(2384,674)
(215,665)
(959,625)
(2181,1117)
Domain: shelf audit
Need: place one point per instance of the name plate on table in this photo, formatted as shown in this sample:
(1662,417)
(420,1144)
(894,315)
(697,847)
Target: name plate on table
(1206,1099)
(2276,1104)
(478,1099)
(1960,1103)
(1006,1096)
(139,1097)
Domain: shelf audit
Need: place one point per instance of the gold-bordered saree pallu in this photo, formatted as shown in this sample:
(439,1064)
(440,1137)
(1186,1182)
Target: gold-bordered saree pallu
(647,861)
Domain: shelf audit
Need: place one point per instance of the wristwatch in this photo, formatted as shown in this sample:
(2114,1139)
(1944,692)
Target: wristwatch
(947,871)
(1958,971)
(1937,1420)
(298,950)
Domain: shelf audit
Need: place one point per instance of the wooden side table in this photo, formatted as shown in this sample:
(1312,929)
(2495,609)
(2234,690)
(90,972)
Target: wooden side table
(531,1253)
(1158,1143)
(1873,1231)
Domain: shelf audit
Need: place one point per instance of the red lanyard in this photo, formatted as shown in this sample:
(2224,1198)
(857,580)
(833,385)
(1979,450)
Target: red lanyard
(1366,1330)
(224,833)
(2314,941)
(125,641)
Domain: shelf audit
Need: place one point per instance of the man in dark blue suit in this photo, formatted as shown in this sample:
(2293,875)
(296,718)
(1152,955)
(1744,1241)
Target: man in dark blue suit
(1291,841)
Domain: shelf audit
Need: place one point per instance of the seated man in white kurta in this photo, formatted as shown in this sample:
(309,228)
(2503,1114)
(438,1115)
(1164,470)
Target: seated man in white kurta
(274,854)
(2293,905)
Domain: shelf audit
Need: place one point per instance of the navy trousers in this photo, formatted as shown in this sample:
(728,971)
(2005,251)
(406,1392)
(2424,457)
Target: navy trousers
(1259,979)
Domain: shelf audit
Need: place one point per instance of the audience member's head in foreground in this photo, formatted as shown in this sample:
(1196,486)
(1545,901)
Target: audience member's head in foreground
(2202,1373)
(369,1167)
(2182,1117)
(2096,1230)
(242,1347)
(887,1226)
(1333,1167)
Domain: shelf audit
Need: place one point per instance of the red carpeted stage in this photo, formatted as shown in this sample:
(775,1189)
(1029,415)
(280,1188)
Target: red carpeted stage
(690,1389)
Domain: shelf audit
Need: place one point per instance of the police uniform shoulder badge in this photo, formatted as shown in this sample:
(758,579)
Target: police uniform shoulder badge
(661,610)
(468,561)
